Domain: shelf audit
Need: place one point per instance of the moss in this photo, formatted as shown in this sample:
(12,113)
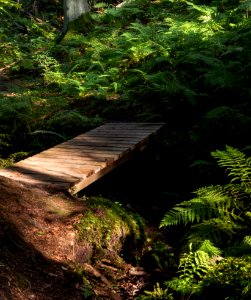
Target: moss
(22,282)
(82,23)
(231,279)
(108,226)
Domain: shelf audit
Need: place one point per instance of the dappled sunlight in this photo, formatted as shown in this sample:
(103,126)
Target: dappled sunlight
(63,103)
(9,95)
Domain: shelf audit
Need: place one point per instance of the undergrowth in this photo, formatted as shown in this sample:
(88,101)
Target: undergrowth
(148,60)
(186,63)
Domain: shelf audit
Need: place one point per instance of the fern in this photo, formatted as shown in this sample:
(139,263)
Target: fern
(210,202)
(239,248)
(218,214)
(217,230)
(4,4)
(246,6)
(194,263)
(157,293)
(68,122)
(193,266)
(49,133)
(4,140)
(185,286)
(237,165)
(208,247)
(14,157)
(218,210)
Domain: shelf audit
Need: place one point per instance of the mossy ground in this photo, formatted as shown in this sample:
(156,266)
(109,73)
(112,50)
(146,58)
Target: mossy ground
(107,225)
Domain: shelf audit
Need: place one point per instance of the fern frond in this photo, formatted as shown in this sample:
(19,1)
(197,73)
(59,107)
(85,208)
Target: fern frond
(239,248)
(208,247)
(238,166)
(210,202)
(184,286)
(4,163)
(237,193)
(217,230)
(248,215)
(7,4)
(47,132)
(194,264)
(157,293)
(236,163)
(247,240)
(4,140)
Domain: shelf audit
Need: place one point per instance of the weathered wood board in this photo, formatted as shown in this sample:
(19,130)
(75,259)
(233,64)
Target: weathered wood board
(76,163)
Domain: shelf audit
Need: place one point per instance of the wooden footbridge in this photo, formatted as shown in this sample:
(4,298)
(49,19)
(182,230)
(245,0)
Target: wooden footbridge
(76,163)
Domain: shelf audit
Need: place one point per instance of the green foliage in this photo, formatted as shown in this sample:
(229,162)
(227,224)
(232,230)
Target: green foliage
(194,263)
(107,225)
(222,217)
(192,267)
(154,59)
(231,279)
(7,162)
(210,202)
(217,230)
(209,248)
(162,256)
(15,116)
(30,122)
(69,121)
(237,165)
(87,290)
(146,55)
(7,4)
(239,248)
(148,60)
(157,293)
(218,210)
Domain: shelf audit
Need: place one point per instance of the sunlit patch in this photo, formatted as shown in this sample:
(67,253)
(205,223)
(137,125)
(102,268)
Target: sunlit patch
(12,94)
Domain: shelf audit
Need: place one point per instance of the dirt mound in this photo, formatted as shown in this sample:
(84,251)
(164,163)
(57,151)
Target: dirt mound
(43,257)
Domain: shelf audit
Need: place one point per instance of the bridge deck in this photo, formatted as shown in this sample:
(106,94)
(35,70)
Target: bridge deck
(76,163)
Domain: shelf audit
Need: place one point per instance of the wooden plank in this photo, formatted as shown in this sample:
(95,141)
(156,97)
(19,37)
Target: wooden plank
(86,155)
(21,173)
(108,134)
(137,131)
(81,152)
(123,131)
(44,182)
(64,161)
(76,163)
(101,138)
(79,145)
(42,172)
(111,141)
(104,150)
(57,168)
(103,141)
(82,184)
(85,159)
(118,125)
(124,126)
(83,145)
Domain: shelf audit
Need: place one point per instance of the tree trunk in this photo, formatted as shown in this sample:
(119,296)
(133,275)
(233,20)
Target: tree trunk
(76,16)
(35,9)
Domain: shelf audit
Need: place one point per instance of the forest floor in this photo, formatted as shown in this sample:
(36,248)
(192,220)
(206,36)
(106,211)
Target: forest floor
(36,251)
(25,273)
(31,268)
(33,243)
